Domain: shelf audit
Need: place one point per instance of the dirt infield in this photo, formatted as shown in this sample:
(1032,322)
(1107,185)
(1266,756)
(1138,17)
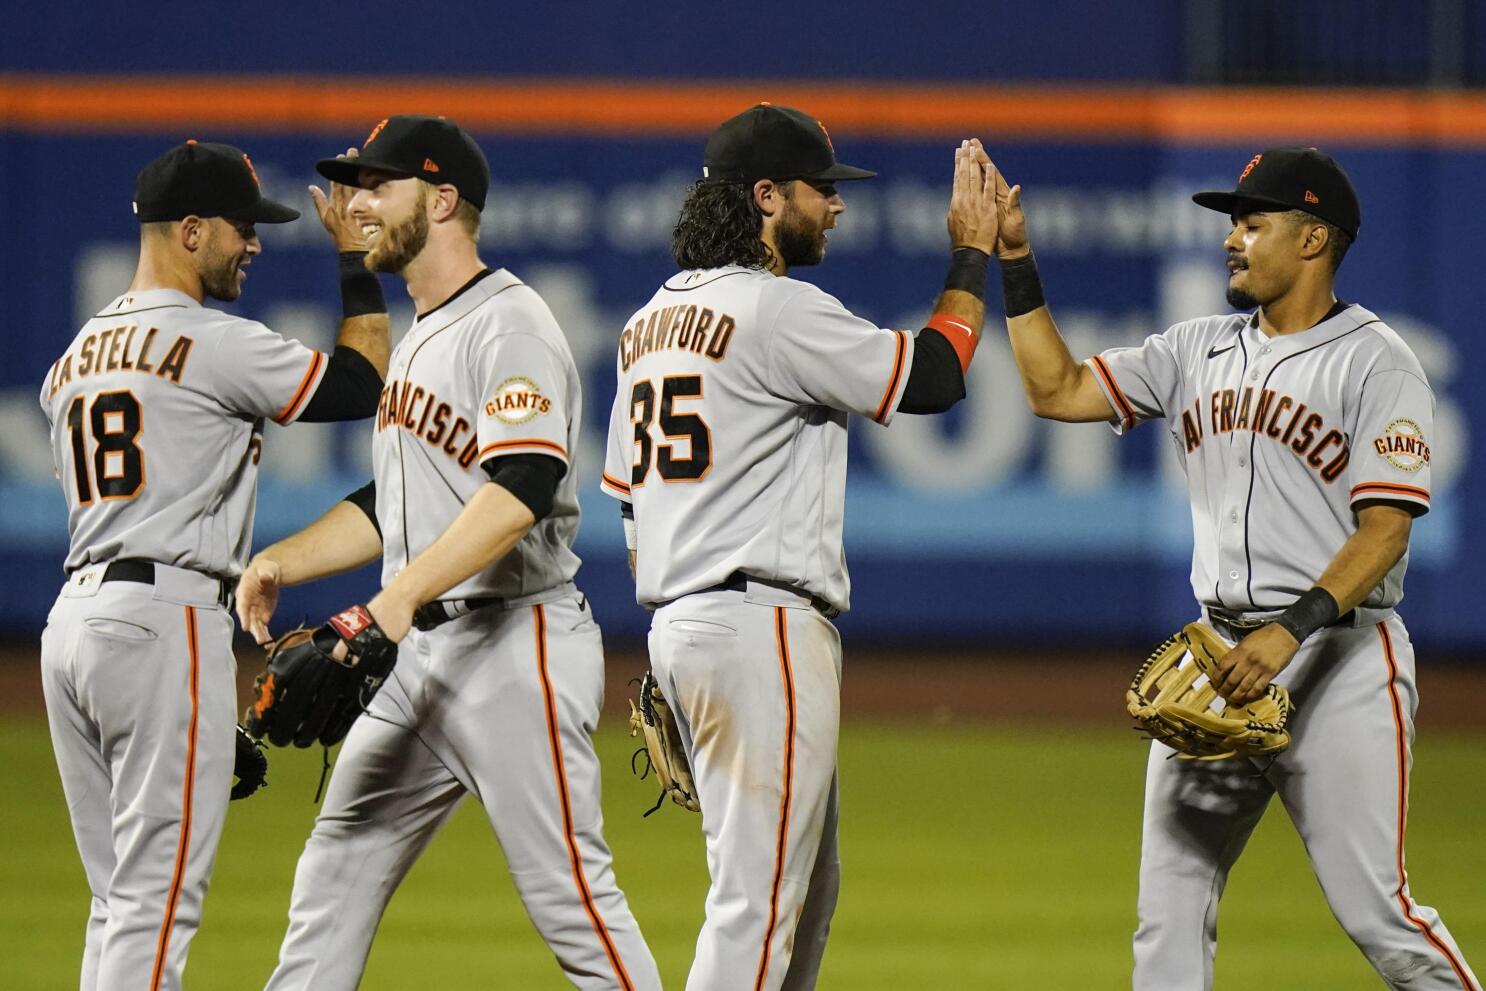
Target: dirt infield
(937,686)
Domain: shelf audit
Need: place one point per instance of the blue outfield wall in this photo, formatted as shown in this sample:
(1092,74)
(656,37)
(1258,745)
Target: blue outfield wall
(985,524)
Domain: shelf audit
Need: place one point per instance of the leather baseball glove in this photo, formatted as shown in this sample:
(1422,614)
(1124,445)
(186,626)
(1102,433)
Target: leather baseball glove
(307,695)
(651,714)
(1172,699)
(250,766)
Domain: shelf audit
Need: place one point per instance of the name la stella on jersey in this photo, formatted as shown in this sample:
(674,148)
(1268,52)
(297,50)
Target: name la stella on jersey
(112,350)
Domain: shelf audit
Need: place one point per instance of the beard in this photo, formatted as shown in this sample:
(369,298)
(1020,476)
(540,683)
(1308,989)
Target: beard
(219,276)
(399,245)
(1241,299)
(800,241)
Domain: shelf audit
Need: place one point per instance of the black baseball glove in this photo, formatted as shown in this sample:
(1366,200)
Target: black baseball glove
(250,766)
(306,695)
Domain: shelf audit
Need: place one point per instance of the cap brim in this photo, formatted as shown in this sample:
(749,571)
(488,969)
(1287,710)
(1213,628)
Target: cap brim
(266,211)
(347,171)
(839,172)
(1235,204)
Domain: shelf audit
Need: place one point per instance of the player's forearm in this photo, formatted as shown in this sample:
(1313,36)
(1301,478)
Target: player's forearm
(1381,539)
(490,524)
(365,326)
(963,306)
(1054,382)
(339,541)
(368,334)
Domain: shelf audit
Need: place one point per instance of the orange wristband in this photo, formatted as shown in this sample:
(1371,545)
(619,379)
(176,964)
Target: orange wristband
(961,336)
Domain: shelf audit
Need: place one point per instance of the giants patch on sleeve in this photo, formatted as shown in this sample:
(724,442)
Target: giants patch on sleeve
(517,400)
(1402,445)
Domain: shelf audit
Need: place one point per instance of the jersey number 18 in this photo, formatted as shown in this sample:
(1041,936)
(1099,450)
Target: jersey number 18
(118,463)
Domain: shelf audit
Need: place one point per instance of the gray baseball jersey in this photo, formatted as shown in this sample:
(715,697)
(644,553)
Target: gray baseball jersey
(500,702)
(156,413)
(728,437)
(1280,439)
(489,373)
(728,433)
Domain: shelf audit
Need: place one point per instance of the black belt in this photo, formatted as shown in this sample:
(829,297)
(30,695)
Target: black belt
(133,569)
(738,582)
(1235,626)
(440,611)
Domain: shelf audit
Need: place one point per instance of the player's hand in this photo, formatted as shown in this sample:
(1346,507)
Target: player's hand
(1248,668)
(973,217)
(1012,231)
(335,214)
(258,597)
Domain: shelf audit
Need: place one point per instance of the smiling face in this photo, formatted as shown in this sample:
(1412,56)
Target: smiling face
(810,210)
(393,214)
(227,247)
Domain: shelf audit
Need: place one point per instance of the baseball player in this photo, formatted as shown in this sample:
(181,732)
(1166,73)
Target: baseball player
(1304,428)
(157,410)
(473,510)
(727,451)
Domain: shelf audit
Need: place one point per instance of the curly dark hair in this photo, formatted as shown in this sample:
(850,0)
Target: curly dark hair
(719,225)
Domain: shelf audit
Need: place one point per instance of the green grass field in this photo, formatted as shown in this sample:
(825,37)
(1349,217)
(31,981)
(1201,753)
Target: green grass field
(975,857)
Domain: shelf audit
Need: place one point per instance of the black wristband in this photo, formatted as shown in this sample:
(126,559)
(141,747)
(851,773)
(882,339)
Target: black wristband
(361,290)
(1020,285)
(1310,612)
(967,272)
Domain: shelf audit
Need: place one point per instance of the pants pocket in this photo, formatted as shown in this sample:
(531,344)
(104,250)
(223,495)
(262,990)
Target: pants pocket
(700,627)
(119,629)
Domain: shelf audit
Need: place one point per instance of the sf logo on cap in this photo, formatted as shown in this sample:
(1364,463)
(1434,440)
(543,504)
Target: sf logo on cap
(1249,168)
(374,132)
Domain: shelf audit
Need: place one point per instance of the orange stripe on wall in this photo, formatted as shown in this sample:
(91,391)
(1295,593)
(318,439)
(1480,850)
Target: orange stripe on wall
(278,104)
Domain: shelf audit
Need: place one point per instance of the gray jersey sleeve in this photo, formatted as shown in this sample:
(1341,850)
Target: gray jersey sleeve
(821,355)
(1141,382)
(524,405)
(619,448)
(1390,459)
(253,370)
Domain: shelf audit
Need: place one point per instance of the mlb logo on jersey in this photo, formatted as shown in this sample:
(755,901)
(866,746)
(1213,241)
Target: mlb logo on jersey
(517,400)
(1402,445)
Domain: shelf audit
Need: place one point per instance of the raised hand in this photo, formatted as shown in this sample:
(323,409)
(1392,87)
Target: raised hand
(1012,240)
(335,213)
(973,219)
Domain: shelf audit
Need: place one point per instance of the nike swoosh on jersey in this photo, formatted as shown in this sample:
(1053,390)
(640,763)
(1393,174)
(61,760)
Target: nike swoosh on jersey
(1213,352)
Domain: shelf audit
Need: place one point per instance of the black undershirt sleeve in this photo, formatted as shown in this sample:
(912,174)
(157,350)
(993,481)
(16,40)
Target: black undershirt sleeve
(365,499)
(348,390)
(936,381)
(532,478)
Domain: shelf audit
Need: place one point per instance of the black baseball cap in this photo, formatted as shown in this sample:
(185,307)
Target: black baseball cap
(199,178)
(769,142)
(418,146)
(1291,179)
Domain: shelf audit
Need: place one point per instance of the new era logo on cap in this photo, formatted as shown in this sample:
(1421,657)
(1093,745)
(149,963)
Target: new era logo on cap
(404,146)
(1305,179)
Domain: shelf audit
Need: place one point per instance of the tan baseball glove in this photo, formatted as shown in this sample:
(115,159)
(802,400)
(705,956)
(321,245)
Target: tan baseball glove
(651,714)
(1172,699)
